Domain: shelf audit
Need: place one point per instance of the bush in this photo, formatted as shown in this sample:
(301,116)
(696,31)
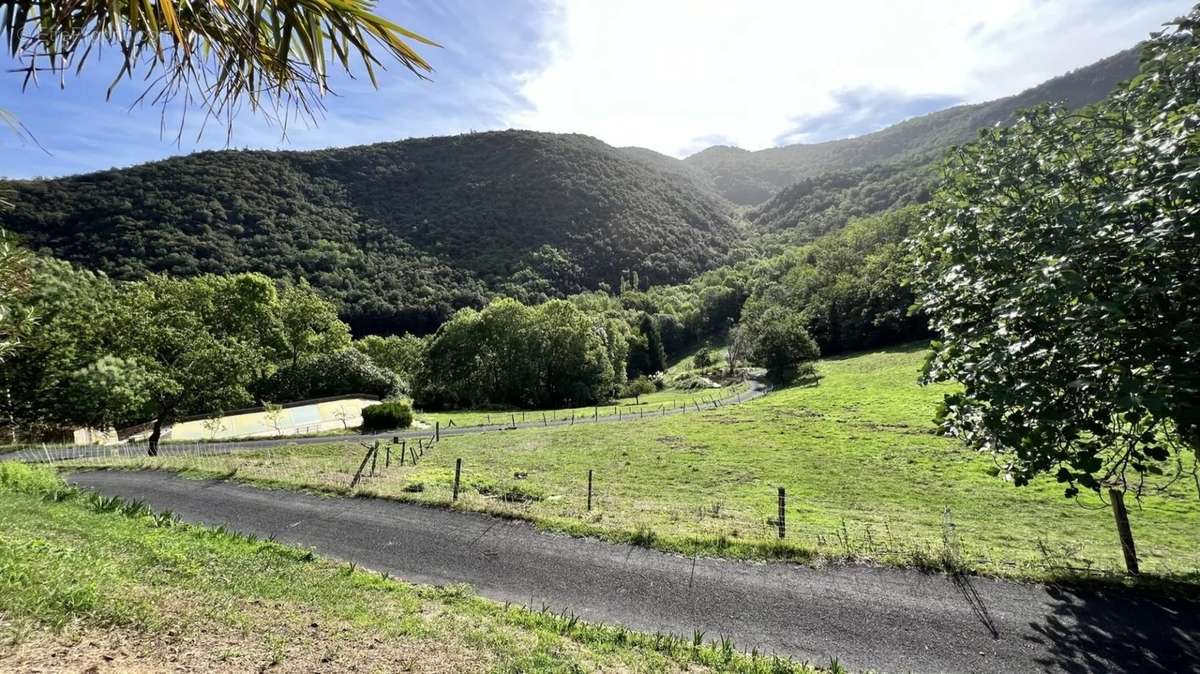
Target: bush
(694,382)
(330,374)
(703,358)
(638,387)
(386,416)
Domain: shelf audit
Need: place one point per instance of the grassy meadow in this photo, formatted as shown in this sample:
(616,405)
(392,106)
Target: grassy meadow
(651,403)
(89,582)
(867,478)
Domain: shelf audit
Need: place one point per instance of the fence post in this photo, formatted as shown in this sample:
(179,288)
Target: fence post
(457,473)
(589,507)
(596,413)
(543,418)
(362,466)
(387,461)
(572,418)
(782,524)
(437,431)
(374,457)
(513,417)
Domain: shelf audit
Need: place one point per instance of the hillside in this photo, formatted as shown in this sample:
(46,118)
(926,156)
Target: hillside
(749,178)
(399,233)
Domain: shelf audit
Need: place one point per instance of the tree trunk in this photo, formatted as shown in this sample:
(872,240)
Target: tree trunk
(155,434)
(1121,515)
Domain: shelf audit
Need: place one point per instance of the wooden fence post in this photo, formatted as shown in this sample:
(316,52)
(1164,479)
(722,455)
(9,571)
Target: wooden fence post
(457,473)
(589,490)
(362,466)
(437,431)
(782,523)
(374,457)
(544,418)
(387,462)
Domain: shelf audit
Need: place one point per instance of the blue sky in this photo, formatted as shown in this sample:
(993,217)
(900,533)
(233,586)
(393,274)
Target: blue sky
(671,75)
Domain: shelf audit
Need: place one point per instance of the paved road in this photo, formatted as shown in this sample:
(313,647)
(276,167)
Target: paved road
(71,453)
(886,619)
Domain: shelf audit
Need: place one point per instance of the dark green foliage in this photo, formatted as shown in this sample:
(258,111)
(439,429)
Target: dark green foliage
(329,374)
(638,387)
(1061,267)
(551,355)
(646,352)
(399,234)
(782,345)
(749,178)
(401,355)
(825,203)
(703,358)
(847,287)
(386,416)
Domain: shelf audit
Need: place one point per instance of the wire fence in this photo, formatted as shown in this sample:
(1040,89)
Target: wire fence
(775,526)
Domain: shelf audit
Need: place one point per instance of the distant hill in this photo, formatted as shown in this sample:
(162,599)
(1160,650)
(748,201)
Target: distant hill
(750,178)
(400,233)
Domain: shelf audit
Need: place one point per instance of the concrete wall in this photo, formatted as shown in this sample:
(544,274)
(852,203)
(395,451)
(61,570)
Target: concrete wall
(300,418)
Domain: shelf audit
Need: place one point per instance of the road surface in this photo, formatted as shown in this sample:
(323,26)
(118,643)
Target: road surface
(886,619)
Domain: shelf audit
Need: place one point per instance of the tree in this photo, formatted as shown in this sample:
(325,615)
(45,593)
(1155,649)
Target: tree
(402,355)
(741,346)
(637,388)
(657,355)
(309,323)
(273,55)
(194,346)
(784,348)
(509,354)
(15,272)
(329,374)
(73,314)
(1061,270)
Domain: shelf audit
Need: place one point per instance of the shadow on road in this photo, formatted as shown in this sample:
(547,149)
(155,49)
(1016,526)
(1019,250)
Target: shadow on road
(1119,630)
(967,589)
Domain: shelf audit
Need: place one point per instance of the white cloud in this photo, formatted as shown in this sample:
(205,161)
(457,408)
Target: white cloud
(673,75)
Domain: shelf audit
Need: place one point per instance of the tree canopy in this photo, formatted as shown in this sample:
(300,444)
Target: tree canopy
(1061,269)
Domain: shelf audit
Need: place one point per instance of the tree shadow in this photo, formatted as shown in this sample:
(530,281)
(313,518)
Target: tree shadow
(1118,630)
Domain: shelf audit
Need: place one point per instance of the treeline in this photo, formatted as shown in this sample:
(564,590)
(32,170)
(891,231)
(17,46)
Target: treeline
(398,235)
(848,289)
(99,353)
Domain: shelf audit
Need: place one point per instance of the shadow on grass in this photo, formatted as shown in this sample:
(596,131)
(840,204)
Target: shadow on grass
(1090,630)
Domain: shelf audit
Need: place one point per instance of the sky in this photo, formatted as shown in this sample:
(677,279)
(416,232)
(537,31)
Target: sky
(675,76)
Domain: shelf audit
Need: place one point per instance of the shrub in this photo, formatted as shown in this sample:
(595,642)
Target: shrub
(638,387)
(703,358)
(386,416)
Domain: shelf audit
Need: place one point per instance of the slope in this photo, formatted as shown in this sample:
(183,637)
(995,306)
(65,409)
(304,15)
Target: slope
(749,178)
(399,233)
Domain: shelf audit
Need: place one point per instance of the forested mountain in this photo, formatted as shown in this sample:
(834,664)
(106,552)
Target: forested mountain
(825,203)
(749,178)
(400,234)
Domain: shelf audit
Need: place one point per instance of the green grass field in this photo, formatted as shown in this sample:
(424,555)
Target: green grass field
(652,403)
(91,582)
(866,477)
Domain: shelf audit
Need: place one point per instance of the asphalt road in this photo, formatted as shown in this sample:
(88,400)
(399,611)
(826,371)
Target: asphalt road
(890,620)
(76,452)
